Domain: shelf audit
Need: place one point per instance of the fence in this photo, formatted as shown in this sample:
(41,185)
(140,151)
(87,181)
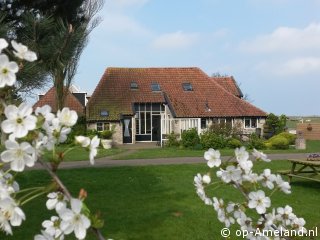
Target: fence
(310,131)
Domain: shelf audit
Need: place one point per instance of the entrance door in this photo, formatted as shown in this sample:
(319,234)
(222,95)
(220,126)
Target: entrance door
(156,127)
(127,130)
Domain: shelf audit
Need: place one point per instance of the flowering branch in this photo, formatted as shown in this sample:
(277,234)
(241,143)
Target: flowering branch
(29,135)
(240,175)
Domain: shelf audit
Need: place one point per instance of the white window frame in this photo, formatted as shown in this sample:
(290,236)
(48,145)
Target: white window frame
(103,126)
(250,125)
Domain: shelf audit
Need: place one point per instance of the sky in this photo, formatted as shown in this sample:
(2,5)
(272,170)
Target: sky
(270,47)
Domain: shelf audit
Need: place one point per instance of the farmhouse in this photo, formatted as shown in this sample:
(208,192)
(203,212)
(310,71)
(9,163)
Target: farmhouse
(146,104)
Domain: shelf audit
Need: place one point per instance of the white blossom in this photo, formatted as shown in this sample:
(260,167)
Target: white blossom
(198,181)
(19,155)
(19,120)
(282,185)
(67,117)
(251,177)
(8,71)
(52,227)
(241,154)
(259,201)
(285,215)
(213,158)
(22,52)
(83,141)
(267,179)
(57,201)
(94,144)
(7,185)
(298,223)
(11,212)
(56,132)
(44,236)
(230,174)
(206,179)
(45,111)
(260,155)
(4,223)
(73,220)
(3,44)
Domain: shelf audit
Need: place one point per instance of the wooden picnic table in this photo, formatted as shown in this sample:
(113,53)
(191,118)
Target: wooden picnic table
(304,169)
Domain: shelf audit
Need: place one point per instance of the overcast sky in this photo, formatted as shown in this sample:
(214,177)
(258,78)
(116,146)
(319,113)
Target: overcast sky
(271,47)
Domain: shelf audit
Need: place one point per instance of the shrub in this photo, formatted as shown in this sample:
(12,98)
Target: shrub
(255,142)
(212,140)
(91,133)
(290,137)
(106,134)
(190,138)
(79,129)
(279,142)
(234,143)
(172,140)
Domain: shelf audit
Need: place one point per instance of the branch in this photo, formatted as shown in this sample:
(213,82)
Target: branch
(66,192)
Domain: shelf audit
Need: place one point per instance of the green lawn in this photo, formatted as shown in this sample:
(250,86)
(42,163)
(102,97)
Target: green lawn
(82,154)
(155,202)
(312,146)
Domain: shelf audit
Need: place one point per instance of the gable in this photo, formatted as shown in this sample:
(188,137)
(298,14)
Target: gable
(50,99)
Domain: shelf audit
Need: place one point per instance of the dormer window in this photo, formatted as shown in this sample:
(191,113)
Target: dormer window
(104,113)
(133,85)
(187,87)
(155,87)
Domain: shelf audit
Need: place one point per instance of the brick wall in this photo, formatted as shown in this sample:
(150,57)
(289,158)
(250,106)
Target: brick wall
(310,131)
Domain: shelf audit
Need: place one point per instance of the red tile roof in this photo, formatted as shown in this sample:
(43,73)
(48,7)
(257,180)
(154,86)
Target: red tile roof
(113,94)
(229,84)
(50,99)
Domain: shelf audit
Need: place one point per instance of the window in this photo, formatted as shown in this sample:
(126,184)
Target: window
(155,87)
(104,113)
(187,87)
(250,122)
(101,126)
(133,85)
(203,123)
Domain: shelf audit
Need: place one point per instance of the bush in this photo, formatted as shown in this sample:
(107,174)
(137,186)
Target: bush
(290,137)
(279,142)
(234,143)
(106,134)
(79,129)
(172,140)
(255,142)
(190,138)
(91,133)
(212,140)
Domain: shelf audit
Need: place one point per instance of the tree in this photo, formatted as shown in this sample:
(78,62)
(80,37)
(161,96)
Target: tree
(276,123)
(58,32)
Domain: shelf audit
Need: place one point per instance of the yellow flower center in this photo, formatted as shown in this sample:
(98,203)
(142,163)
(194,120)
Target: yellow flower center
(4,71)
(19,120)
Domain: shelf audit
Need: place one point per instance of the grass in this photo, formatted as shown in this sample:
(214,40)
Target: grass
(312,146)
(292,121)
(81,154)
(155,202)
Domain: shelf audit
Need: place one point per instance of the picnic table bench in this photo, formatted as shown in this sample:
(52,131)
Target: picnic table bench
(305,169)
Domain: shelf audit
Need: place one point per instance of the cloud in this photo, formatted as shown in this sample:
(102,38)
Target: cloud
(285,39)
(175,40)
(292,67)
(119,23)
